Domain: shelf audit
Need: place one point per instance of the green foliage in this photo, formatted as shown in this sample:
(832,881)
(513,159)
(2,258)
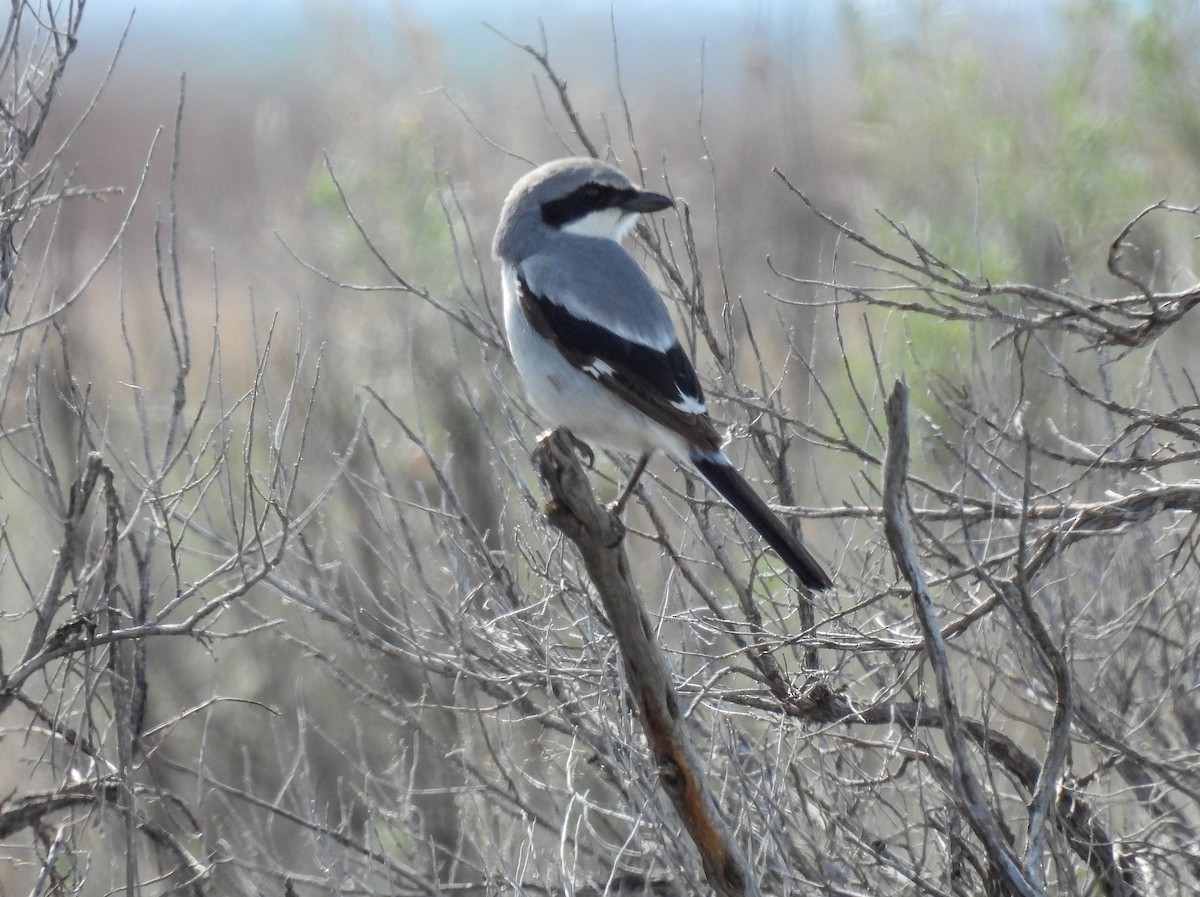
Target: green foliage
(1165,40)
(1020,159)
(393,189)
(1022,172)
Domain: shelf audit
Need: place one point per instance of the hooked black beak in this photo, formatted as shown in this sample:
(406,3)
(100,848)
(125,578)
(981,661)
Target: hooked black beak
(645,201)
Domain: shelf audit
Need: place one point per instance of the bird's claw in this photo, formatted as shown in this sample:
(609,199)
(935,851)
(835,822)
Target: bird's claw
(580,447)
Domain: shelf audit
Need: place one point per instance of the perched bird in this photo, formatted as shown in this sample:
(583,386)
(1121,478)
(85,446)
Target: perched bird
(593,341)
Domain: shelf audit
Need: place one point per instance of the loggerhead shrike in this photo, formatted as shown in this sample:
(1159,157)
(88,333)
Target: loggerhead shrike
(594,343)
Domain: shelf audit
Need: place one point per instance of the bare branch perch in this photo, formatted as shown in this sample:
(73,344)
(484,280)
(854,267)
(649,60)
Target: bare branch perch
(597,534)
(899,536)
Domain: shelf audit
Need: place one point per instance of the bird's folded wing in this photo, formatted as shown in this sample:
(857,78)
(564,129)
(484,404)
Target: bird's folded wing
(662,384)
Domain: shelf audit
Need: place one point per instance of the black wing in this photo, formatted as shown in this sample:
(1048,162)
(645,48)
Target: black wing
(661,384)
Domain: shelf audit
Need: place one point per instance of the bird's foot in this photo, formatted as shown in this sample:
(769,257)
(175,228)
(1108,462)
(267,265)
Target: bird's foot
(569,439)
(616,507)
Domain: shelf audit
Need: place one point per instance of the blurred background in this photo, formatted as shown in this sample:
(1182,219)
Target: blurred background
(1015,138)
(328,151)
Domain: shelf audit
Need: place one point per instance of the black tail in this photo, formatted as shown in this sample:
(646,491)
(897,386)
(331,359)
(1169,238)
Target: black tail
(721,475)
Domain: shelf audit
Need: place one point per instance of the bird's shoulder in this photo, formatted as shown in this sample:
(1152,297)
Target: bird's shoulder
(598,280)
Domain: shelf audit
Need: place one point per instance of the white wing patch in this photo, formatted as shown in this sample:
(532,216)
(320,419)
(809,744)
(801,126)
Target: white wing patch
(598,368)
(690,405)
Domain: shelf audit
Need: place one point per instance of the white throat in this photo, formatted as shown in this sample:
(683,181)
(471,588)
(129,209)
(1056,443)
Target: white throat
(609,224)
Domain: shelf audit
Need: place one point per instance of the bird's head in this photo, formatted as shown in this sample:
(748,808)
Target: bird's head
(578,196)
